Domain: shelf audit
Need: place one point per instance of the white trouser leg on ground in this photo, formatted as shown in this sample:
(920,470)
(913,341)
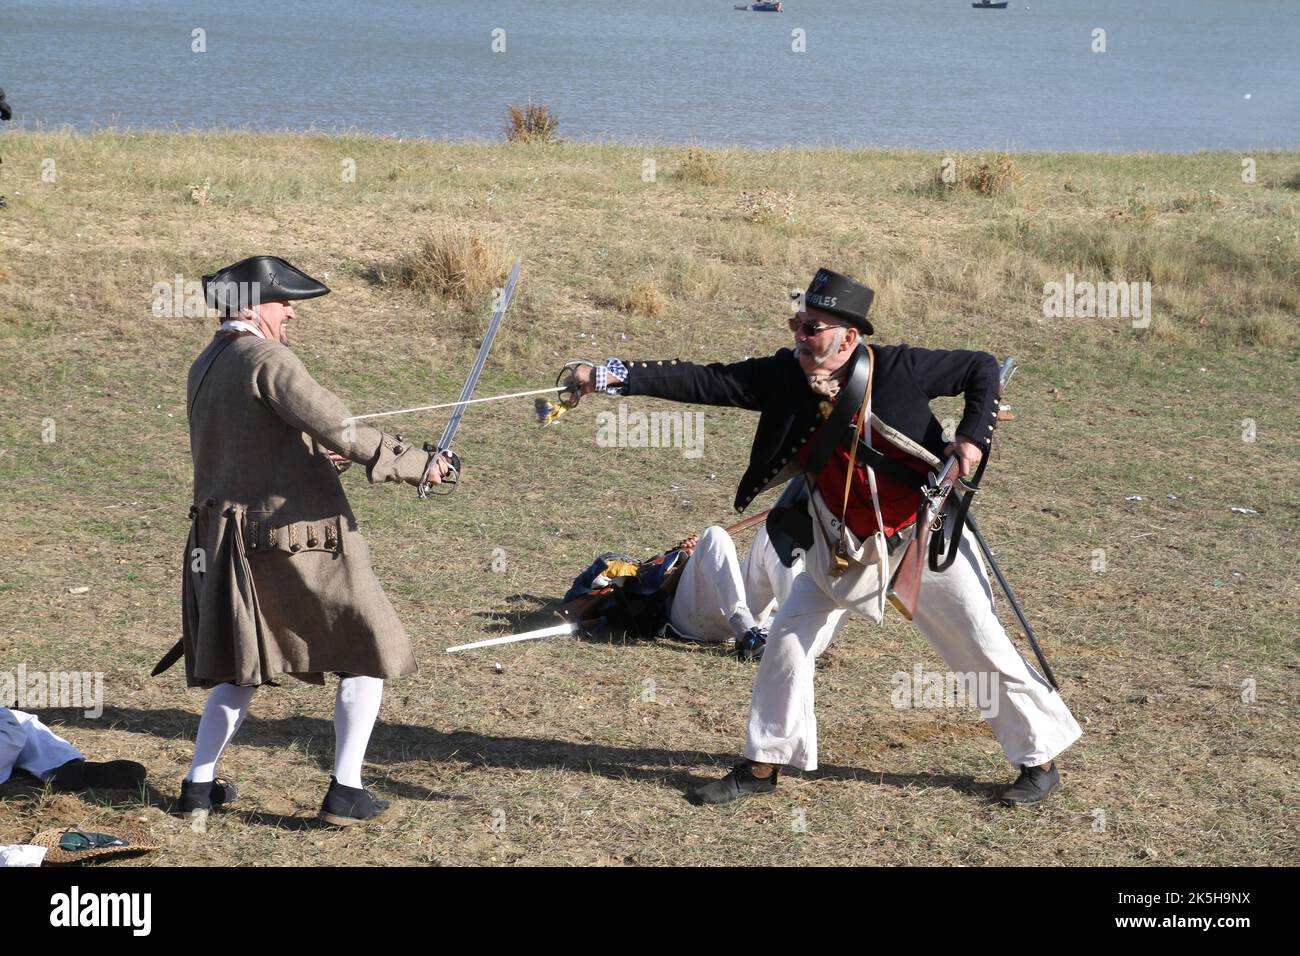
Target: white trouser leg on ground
(782,724)
(767,580)
(710,591)
(13,737)
(43,750)
(27,744)
(225,710)
(956,615)
(356,707)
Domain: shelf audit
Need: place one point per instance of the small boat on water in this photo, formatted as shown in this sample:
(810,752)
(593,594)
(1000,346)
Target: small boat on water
(761,7)
(989,6)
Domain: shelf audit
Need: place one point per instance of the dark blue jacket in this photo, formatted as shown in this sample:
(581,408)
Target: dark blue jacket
(775,386)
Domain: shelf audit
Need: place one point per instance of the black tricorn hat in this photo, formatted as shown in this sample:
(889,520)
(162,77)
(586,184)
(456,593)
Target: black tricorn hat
(255,280)
(839,295)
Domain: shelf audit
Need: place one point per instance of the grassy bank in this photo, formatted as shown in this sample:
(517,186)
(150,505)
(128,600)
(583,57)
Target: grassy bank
(1194,603)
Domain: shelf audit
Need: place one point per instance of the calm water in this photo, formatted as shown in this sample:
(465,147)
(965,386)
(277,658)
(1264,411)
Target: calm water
(1176,75)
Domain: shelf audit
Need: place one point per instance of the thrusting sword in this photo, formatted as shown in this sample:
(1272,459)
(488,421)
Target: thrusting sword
(566,390)
(442,450)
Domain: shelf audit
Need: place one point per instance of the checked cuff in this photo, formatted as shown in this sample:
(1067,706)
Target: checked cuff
(612,368)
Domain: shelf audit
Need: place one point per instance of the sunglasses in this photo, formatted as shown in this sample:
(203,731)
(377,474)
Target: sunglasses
(808,327)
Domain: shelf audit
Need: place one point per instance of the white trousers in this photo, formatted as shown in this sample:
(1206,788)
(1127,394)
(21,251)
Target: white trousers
(715,585)
(956,615)
(27,744)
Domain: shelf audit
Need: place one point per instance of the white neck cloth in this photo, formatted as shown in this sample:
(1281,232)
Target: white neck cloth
(239,325)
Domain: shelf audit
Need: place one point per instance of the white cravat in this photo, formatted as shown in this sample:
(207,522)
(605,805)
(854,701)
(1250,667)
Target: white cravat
(239,325)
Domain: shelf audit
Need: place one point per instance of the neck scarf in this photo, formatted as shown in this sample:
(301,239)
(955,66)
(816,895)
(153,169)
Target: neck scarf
(239,325)
(827,384)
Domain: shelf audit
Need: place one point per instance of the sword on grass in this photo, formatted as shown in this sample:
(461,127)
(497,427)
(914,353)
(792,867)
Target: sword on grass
(571,613)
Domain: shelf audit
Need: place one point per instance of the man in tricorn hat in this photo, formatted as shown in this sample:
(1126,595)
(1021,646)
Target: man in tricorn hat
(863,497)
(277,577)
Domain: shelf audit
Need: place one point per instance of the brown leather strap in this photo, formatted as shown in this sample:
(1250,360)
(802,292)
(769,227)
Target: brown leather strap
(841,552)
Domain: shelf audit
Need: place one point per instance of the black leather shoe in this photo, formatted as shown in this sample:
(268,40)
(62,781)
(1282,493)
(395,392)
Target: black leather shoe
(750,647)
(741,782)
(345,806)
(1032,786)
(87,774)
(204,796)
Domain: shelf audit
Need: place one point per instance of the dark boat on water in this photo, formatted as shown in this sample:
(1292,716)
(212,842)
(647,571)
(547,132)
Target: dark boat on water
(762,7)
(990,6)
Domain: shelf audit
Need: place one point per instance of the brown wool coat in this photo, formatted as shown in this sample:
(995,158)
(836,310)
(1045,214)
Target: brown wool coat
(277,577)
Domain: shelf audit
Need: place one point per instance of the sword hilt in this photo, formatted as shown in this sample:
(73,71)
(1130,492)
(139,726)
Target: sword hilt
(571,395)
(449,480)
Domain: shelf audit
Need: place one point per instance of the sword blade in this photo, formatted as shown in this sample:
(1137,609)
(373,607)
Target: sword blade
(1015,605)
(553,631)
(473,401)
(449,433)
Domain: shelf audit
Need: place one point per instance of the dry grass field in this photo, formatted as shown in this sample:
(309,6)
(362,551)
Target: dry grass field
(1179,658)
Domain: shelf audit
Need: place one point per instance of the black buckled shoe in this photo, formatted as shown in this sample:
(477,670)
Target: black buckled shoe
(741,782)
(345,806)
(1032,786)
(204,796)
(750,647)
(87,774)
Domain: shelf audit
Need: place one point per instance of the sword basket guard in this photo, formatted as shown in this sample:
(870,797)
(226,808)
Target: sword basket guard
(449,480)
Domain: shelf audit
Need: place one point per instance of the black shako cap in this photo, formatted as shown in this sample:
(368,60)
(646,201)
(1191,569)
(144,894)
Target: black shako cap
(255,280)
(839,295)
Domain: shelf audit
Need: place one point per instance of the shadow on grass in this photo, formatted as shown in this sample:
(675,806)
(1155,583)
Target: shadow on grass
(25,792)
(528,612)
(394,744)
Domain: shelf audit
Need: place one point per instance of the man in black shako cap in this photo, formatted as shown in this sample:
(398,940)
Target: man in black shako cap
(277,578)
(862,499)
